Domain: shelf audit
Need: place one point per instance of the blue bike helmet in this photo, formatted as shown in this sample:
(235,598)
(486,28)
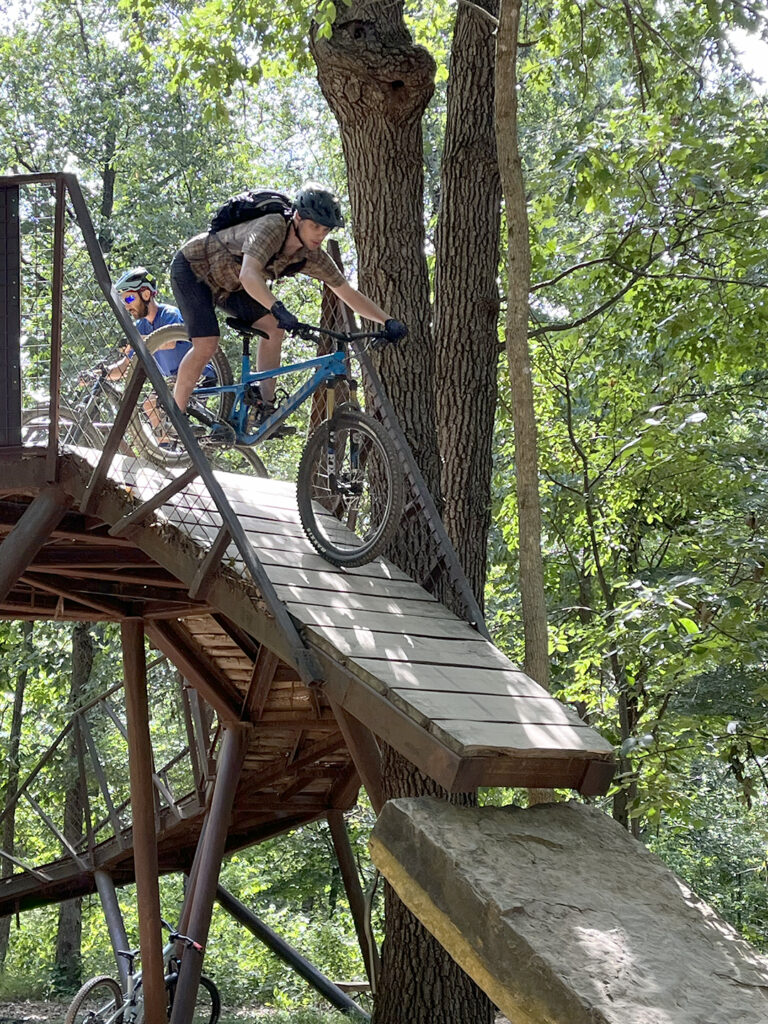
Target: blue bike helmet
(317,203)
(134,279)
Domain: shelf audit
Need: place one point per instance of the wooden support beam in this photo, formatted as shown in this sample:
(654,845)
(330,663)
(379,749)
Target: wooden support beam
(197,669)
(210,563)
(364,749)
(143,813)
(156,501)
(29,534)
(262,677)
(354,890)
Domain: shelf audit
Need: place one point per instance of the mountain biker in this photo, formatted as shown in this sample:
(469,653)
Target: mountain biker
(229,269)
(138,290)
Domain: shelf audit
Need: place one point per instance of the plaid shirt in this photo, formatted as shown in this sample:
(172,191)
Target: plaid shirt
(216,257)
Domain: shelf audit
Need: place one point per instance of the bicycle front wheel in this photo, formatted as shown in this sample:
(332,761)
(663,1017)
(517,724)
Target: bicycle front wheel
(207,1002)
(99,1001)
(349,488)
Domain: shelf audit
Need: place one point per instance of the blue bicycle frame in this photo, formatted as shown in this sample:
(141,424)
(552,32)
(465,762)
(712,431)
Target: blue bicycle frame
(327,368)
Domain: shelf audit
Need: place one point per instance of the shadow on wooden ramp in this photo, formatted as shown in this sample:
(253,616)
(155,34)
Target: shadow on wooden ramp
(563,918)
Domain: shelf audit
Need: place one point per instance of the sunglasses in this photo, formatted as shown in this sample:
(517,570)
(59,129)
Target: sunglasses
(128,299)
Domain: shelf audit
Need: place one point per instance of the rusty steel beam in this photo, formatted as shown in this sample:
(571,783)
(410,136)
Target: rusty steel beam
(140,762)
(354,890)
(214,841)
(29,534)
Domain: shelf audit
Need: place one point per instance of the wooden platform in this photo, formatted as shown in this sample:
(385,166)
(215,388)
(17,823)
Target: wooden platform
(392,657)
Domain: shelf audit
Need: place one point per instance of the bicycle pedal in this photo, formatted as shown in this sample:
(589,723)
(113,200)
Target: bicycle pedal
(283,430)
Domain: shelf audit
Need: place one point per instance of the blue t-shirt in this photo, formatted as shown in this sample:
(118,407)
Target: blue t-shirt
(167,359)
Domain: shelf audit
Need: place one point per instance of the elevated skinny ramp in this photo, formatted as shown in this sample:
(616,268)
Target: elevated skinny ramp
(393,657)
(563,918)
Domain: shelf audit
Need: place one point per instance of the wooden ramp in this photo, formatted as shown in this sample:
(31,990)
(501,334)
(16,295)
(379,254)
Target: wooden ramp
(393,657)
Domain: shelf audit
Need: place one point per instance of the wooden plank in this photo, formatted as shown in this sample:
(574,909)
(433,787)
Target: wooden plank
(493,679)
(420,627)
(291,582)
(471,739)
(379,603)
(365,643)
(446,707)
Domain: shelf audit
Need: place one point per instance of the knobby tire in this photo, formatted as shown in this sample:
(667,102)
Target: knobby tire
(112,1002)
(207,1004)
(35,423)
(373,513)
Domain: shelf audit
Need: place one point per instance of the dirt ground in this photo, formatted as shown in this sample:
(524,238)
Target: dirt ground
(32,1013)
(53,1013)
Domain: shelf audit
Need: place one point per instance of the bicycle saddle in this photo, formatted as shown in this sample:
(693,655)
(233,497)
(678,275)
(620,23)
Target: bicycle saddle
(243,327)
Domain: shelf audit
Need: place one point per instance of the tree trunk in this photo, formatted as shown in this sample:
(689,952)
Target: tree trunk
(518,355)
(466,291)
(378,84)
(419,982)
(68,935)
(12,781)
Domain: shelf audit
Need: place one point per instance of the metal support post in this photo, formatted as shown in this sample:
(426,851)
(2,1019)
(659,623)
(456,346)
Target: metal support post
(10,317)
(230,762)
(354,890)
(288,954)
(114,918)
(143,812)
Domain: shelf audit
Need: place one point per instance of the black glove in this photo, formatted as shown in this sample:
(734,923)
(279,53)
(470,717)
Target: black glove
(285,320)
(395,330)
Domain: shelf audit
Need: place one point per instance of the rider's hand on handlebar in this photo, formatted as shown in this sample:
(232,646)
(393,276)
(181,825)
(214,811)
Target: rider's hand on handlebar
(395,330)
(285,321)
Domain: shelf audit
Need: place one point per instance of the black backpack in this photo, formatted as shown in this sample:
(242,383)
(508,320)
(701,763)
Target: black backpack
(256,202)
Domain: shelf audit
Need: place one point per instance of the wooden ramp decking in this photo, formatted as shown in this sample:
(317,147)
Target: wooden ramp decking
(396,664)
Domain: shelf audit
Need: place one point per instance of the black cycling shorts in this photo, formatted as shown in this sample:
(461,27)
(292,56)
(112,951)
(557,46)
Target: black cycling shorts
(195,301)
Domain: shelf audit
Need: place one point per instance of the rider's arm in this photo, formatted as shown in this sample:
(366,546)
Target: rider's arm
(116,370)
(255,283)
(360,303)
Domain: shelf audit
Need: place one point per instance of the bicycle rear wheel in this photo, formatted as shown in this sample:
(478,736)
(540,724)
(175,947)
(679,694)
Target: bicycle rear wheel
(350,488)
(207,1001)
(149,427)
(35,423)
(99,1001)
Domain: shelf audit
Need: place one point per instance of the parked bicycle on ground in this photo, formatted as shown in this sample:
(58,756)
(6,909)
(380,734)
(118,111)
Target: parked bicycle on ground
(350,489)
(102,1001)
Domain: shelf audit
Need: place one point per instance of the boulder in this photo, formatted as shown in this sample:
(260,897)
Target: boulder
(563,918)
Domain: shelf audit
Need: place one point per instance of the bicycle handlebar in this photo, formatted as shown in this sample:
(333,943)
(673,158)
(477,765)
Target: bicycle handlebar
(175,936)
(378,339)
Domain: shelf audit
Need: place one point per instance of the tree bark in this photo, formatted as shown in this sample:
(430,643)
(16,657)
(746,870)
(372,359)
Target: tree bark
(419,982)
(518,354)
(378,83)
(12,781)
(69,931)
(466,291)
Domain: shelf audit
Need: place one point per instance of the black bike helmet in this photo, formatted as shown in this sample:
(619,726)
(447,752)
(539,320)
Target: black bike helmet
(135,278)
(317,203)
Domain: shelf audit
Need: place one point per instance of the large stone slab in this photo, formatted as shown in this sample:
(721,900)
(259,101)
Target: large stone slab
(563,918)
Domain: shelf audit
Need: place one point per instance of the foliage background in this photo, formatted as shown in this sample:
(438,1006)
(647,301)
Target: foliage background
(645,153)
